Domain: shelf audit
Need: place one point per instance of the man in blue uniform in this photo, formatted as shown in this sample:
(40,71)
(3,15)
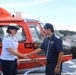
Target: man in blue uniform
(53,49)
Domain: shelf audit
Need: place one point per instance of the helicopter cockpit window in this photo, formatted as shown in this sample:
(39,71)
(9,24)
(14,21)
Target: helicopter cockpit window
(20,34)
(36,33)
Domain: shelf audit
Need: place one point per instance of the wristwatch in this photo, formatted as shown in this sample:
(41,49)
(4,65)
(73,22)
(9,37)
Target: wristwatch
(58,66)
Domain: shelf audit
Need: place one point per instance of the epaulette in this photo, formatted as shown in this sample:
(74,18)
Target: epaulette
(7,36)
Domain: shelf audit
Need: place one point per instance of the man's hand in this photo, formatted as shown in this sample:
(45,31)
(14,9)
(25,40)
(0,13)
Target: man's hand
(27,55)
(57,70)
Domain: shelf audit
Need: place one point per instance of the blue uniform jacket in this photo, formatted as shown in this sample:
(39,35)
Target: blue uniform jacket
(54,48)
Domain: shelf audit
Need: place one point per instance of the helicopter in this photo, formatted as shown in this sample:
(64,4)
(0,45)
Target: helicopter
(30,36)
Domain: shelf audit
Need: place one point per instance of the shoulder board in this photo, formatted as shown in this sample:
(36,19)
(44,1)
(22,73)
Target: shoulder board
(7,36)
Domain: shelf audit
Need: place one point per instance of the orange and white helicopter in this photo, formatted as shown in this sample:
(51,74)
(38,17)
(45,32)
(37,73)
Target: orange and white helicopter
(30,36)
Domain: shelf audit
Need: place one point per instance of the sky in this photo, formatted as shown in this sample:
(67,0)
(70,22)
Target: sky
(61,13)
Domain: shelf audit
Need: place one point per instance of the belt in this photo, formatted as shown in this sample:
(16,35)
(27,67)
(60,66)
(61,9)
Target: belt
(51,62)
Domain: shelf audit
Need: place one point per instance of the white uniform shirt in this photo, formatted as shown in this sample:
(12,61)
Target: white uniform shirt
(9,41)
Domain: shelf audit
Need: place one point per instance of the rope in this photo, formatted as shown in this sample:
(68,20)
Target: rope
(39,62)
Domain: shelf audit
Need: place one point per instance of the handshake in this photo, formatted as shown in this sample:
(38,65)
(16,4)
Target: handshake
(26,55)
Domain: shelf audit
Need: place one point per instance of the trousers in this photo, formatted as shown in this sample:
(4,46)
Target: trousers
(50,67)
(9,67)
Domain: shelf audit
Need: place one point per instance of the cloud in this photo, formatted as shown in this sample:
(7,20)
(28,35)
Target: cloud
(67,26)
(41,1)
(25,15)
(68,9)
(64,26)
(24,4)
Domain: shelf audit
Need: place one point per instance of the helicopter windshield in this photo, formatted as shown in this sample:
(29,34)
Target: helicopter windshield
(36,33)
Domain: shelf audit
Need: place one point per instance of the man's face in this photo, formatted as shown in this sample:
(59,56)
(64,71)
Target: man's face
(47,31)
